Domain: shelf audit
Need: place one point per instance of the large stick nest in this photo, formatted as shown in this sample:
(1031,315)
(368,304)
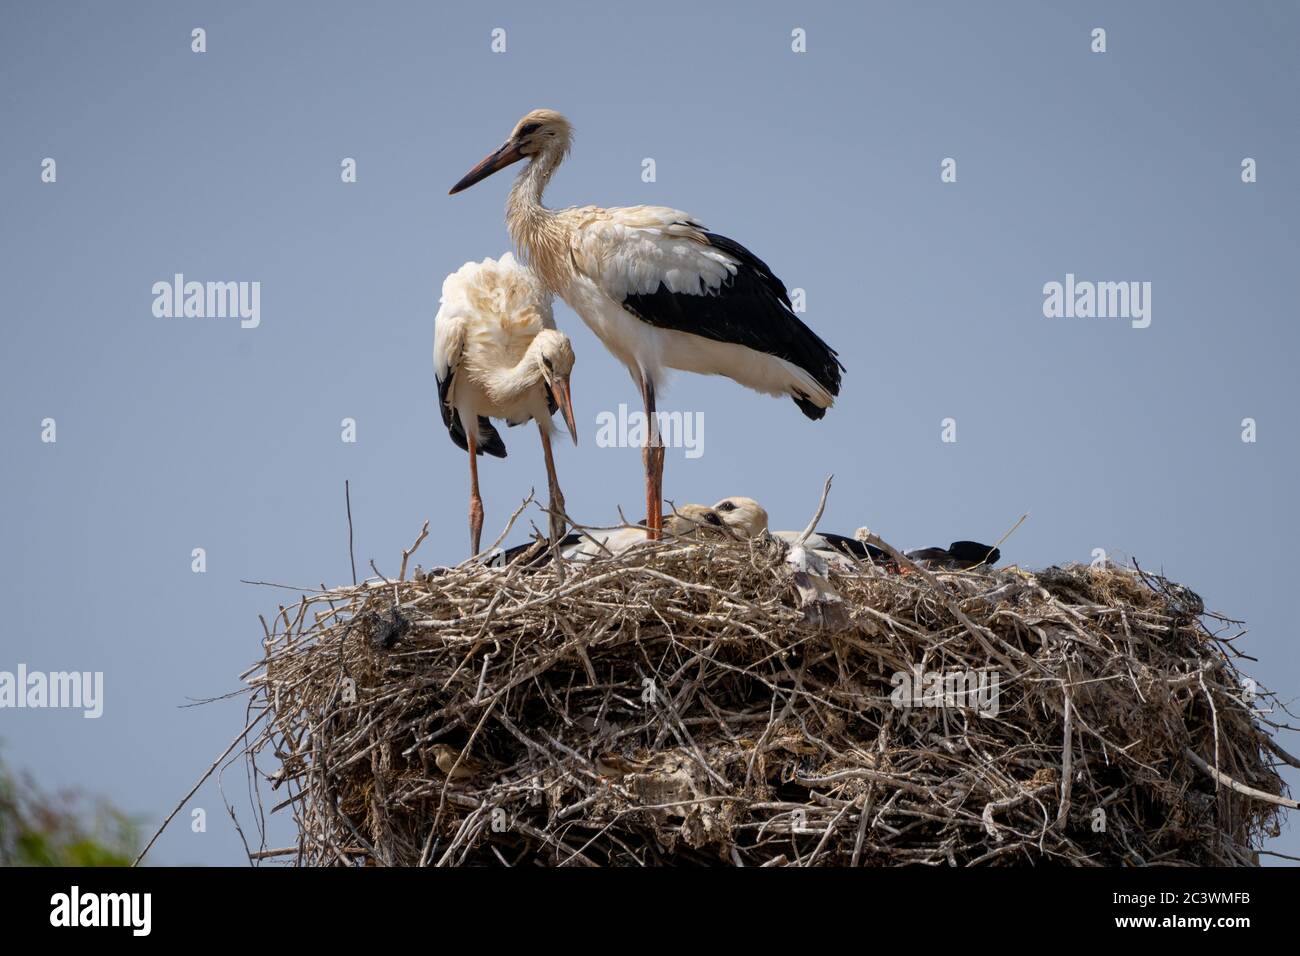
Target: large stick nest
(686,704)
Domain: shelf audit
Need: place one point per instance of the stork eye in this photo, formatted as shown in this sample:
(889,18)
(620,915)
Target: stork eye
(546,360)
(712,519)
(727,506)
(529,128)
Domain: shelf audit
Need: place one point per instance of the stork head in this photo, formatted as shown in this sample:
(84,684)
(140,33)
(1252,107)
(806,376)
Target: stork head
(743,515)
(541,133)
(690,521)
(553,353)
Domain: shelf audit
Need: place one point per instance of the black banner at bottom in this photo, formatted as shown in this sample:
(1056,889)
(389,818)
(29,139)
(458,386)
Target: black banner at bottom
(330,906)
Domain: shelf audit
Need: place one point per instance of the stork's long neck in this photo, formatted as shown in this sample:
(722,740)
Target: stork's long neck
(509,384)
(537,232)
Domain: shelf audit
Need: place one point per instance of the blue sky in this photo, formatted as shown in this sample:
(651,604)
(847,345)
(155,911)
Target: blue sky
(175,434)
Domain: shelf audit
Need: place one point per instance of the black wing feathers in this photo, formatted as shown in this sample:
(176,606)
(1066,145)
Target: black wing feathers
(510,555)
(750,308)
(491,445)
(959,554)
(853,547)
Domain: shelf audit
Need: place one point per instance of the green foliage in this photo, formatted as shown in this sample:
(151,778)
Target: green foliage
(60,829)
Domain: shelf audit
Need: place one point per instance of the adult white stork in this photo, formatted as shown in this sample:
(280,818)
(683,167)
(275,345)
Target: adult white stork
(497,354)
(660,290)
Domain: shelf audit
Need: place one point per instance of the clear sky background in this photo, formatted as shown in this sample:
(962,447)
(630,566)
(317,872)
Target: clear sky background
(175,434)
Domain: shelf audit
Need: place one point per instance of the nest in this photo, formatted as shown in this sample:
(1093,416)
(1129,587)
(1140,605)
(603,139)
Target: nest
(689,704)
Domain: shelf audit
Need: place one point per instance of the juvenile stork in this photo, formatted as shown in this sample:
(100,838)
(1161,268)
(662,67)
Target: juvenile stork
(660,290)
(497,354)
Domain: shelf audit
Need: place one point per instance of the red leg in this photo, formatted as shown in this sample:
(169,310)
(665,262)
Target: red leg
(652,457)
(657,463)
(553,482)
(475,501)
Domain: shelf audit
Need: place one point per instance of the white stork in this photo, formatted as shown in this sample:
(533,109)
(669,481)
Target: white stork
(497,354)
(659,290)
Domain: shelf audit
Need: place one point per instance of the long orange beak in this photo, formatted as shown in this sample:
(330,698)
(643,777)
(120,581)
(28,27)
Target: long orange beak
(499,159)
(560,389)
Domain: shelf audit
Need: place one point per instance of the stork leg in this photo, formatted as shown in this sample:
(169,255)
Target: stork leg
(652,456)
(557,496)
(475,501)
(657,471)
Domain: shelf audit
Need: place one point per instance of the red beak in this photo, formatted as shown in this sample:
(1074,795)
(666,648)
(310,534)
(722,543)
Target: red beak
(508,153)
(560,389)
